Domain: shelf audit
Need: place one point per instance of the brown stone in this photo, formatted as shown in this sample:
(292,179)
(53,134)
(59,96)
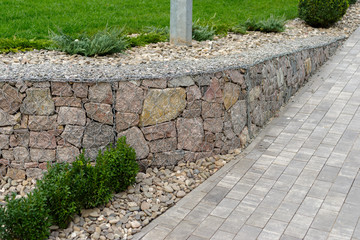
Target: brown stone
(34,173)
(168,158)
(244,137)
(307,64)
(254,93)
(43,165)
(209,137)
(211,110)
(238,116)
(101,93)
(38,101)
(231,94)
(190,133)
(236,76)
(162,105)
(20,138)
(61,89)
(31,165)
(154,83)
(4,162)
(15,174)
(162,130)
(6,130)
(4,141)
(129,98)
(99,112)
(8,154)
(126,120)
(42,123)
(21,154)
(73,134)
(135,139)
(80,90)
(97,135)
(214,92)
(42,155)
(67,102)
(71,115)
(66,154)
(10,99)
(183,81)
(214,125)
(193,93)
(193,109)
(163,145)
(44,140)
(6,119)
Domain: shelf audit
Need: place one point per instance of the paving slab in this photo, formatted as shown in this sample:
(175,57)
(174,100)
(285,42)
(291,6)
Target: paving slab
(299,179)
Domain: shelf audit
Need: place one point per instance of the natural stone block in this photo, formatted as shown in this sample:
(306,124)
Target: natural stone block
(6,130)
(192,110)
(67,102)
(168,158)
(154,83)
(6,119)
(162,105)
(44,140)
(211,110)
(231,94)
(16,174)
(38,101)
(8,154)
(162,130)
(97,135)
(193,93)
(20,137)
(163,145)
(73,134)
(99,112)
(214,125)
(244,137)
(80,90)
(135,139)
(126,120)
(34,173)
(254,93)
(31,165)
(62,89)
(129,98)
(190,133)
(4,141)
(236,76)
(101,93)
(238,116)
(183,81)
(21,154)
(66,154)
(42,155)
(10,99)
(42,123)
(71,115)
(214,92)
(307,64)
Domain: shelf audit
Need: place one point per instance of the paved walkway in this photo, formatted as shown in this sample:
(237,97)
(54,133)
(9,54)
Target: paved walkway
(298,180)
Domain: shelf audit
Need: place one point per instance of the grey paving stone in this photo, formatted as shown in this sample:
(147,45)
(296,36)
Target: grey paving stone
(334,201)
(319,189)
(200,212)
(192,237)
(285,182)
(262,187)
(324,220)
(182,231)
(234,222)
(297,194)
(342,184)
(221,235)
(307,177)
(216,195)
(336,159)
(314,234)
(225,207)
(328,173)
(295,167)
(316,163)
(248,232)
(158,233)
(286,211)
(310,206)
(208,227)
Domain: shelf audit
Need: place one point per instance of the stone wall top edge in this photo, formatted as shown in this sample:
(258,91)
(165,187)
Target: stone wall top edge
(159,70)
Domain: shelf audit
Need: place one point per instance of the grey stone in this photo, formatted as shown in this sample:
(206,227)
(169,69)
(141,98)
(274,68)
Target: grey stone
(38,101)
(10,99)
(135,139)
(183,81)
(66,154)
(238,116)
(101,93)
(34,173)
(168,158)
(71,115)
(190,133)
(73,134)
(21,154)
(129,98)
(42,155)
(42,123)
(97,135)
(6,119)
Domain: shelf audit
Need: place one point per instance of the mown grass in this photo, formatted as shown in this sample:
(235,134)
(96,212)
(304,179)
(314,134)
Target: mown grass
(32,19)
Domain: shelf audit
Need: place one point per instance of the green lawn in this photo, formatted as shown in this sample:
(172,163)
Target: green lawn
(33,18)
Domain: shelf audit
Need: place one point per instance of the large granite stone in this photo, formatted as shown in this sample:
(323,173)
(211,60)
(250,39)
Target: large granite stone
(162,130)
(231,94)
(214,92)
(162,105)
(4,141)
(238,116)
(21,154)
(80,90)
(211,109)
(126,120)
(101,93)
(183,81)
(10,99)
(129,98)
(190,133)
(135,139)
(42,155)
(168,158)
(43,140)
(67,102)
(6,119)
(214,125)
(193,93)
(21,137)
(66,154)
(42,123)
(99,112)
(163,145)
(73,134)
(97,135)
(62,89)
(71,115)
(16,174)
(38,102)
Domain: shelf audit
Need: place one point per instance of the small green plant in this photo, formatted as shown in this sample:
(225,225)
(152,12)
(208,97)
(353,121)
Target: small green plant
(150,35)
(19,44)
(322,13)
(238,29)
(119,164)
(272,24)
(202,32)
(25,218)
(103,42)
(352,1)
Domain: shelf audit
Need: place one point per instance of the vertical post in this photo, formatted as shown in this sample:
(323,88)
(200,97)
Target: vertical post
(181,22)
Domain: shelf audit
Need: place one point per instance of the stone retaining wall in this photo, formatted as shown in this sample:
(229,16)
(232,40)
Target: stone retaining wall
(165,120)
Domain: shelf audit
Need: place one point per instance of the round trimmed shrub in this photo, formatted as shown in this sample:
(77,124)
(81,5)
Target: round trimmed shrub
(352,1)
(322,13)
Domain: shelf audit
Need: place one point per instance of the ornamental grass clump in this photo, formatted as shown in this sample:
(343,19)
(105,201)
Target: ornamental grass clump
(271,24)
(322,13)
(202,32)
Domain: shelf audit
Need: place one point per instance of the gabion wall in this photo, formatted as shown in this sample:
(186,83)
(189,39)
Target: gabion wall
(165,120)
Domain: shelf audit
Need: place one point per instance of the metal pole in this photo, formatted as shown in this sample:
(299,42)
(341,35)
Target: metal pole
(181,22)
